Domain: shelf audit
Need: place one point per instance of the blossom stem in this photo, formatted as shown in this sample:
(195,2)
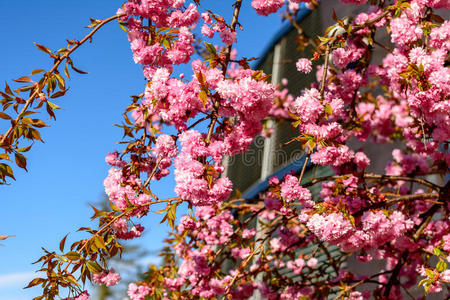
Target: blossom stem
(216,104)
(303,169)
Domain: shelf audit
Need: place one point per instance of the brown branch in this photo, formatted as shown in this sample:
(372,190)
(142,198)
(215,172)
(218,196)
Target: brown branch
(153,171)
(392,201)
(303,169)
(378,177)
(325,67)
(348,288)
(412,197)
(329,256)
(395,272)
(403,178)
(216,104)
(57,62)
(243,265)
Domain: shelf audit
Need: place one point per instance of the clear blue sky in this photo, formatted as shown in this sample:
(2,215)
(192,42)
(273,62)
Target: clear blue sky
(66,173)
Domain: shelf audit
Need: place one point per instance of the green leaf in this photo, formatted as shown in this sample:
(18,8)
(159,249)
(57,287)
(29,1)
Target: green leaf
(99,242)
(296,123)
(211,49)
(437,251)
(311,144)
(72,255)
(61,82)
(62,50)
(441,266)
(166,43)
(122,26)
(93,267)
(429,273)
(53,105)
(72,279)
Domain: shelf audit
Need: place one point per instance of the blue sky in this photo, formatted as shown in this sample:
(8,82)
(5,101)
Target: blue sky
(67,171)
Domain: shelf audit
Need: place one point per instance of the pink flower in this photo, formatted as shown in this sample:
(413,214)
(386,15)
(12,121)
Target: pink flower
(228,36)
(241,253)
(136,292)
(207,31)
(440,36)
(186,223)
(120,226)
(83,296)
(113,160)
(361,160)
(334,156)
(312,262)
(343,56)
(304,65)
(107,278)
(357,2)
(308,105)
(291,190)
(296,265)
(175,283)
(266,7)
(165,146)
(333,228)
(248,233)
(404,31)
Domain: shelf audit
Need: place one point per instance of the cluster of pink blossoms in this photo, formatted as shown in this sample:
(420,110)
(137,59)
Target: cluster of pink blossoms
(210,28)
(136,292)
(349,212)
(107,278)
(161,14)
(267,7)
(83,296)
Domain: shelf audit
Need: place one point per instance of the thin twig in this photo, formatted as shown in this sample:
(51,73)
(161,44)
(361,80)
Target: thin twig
(153,171)
(325,67)
(58,61)
(303,169)
(227,52)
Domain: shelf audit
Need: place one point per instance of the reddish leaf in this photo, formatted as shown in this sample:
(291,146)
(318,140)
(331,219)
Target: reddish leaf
(24,79)
(43,48)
